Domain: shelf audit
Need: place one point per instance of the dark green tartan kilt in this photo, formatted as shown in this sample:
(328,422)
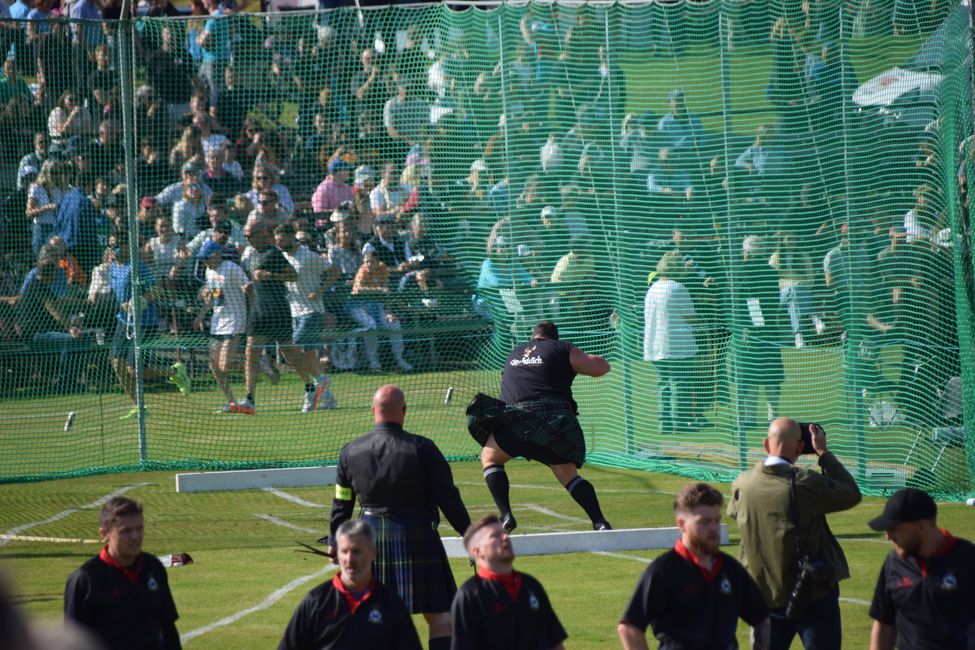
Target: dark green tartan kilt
(411,560)
(545,430)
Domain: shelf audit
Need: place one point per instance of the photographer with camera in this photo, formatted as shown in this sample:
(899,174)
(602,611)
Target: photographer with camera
(786,543)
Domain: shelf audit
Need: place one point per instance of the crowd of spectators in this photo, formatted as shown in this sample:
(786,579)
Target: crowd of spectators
(407,151)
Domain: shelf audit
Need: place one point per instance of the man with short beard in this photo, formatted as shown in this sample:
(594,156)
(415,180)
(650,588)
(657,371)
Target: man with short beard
(925,594)
(693,595)
(500,607)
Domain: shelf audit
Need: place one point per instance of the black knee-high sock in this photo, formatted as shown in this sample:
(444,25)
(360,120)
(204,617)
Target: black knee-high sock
(440,643)
(585,495)
(497,482)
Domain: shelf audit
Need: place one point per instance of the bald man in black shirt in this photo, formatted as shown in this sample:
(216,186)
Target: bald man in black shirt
(536,419)
(402,480)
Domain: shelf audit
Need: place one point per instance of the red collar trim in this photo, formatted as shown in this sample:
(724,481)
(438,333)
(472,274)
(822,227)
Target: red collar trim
(709,575)
(130,572)
(510,581)
(350,598)
(946,545)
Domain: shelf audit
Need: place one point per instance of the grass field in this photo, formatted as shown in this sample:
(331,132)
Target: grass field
(247,578)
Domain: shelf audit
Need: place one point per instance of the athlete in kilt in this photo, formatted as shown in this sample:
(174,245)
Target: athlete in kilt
(401,481)
(536,419)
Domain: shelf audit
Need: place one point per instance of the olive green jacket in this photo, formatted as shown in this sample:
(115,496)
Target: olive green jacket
(760,504)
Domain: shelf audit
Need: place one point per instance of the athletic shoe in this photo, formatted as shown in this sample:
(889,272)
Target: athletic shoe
(227,408)
(602,525)
(244,406)
(131,414)
(328,401)
(311,400)
(268,368)
(508,522)
(180,378)
(404,366)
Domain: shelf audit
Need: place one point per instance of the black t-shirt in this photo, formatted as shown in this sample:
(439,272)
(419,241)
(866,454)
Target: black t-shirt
(270,297)
(689,610)
(325,620)
(538,369)
(124,615)
(933,603)
(32,311)
(486,616)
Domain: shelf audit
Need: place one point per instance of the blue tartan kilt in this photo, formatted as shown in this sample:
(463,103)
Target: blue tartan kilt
(545,430)
(412,561)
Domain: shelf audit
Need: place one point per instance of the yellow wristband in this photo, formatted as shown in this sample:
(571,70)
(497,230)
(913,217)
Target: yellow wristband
(343,493)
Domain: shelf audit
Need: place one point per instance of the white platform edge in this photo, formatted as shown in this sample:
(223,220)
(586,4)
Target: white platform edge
(628,539)
(249,479)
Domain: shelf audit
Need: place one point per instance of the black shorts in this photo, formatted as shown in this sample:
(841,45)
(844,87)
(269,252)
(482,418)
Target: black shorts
(124,347)
(277,330)
(545,430)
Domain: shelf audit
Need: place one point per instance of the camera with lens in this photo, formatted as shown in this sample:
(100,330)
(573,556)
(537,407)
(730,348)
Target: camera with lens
(805,432)
(812,572)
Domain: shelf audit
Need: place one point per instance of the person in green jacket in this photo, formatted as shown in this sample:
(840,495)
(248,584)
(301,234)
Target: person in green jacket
(781,512)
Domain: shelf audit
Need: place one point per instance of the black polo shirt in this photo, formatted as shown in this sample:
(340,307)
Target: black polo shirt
(331,618)
(931,602)
(127,609)
(690,607)
(391,470)
(269,302)
(538,369)
(512,612)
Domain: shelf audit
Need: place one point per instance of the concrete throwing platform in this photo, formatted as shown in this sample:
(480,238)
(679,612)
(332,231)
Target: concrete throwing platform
(586,541)
(251,479)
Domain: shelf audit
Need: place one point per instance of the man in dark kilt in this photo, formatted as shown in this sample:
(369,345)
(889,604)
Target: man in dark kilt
(352,610)
(402,480)
(500,608)
(536,419)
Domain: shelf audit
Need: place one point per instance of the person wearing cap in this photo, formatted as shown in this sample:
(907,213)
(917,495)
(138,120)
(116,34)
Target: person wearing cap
(190,172)
(387,243)
(352,609)
(402,482)
(781,512)
(224,296)
(222,230)
(501,608)
(537,419)
(335,189)
(925,593)
(693,595)
(364,183)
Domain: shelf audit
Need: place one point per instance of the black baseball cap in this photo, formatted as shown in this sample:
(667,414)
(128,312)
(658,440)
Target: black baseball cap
(909,504)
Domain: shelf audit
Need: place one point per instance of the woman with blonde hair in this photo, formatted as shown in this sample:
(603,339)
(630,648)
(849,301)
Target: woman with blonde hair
(43,197)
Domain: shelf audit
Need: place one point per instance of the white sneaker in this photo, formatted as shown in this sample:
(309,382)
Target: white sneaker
(404,366)
(311,399)
(819,325)
(799,341)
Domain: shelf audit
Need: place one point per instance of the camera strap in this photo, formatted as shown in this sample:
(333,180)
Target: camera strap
(794,512)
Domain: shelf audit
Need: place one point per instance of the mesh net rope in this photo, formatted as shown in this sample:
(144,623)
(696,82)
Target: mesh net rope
(752,209)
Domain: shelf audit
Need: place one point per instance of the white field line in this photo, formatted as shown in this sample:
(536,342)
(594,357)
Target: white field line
(274,597)
(292,498)
(551,513)
(855,601)
(64,513)
(559,488)
(277,521)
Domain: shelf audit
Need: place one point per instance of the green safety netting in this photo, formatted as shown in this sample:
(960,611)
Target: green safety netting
(752,209)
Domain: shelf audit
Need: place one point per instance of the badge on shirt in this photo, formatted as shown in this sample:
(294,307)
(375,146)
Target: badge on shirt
(375,617)
(533,602)
(152,584)
(725,586)
(949,582)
